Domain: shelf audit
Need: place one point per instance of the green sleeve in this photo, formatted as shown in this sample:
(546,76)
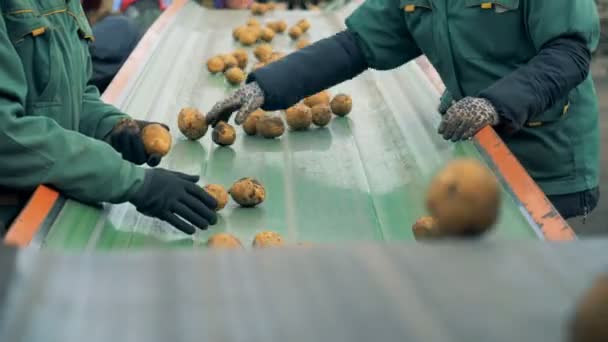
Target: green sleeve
(549,19)
(36,150)
(380,28)
(97,118)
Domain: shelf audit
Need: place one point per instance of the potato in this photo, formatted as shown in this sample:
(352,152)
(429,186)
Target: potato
(215,64)
(224,241)
(241,57)
(192,123)
(223,134)
(236,33)
(250,124)
(588,321)
(248,37)
(271,6)
(219,193)
(277,26)
(298,117)
(295,32)
(302,43)
(303,24)
(235,75)
(258,8)
(263,52)
(258,65)
(321,115)
(253,22)
(257,31)
(267,239)
(341,105)
(157,140)
(317,99)
(267,34)
(464,198)
(229,61)
(247,192)
(270,127)
(425,228)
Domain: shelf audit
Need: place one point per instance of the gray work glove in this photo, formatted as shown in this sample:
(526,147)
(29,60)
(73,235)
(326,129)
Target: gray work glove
(466,117)
(246,100)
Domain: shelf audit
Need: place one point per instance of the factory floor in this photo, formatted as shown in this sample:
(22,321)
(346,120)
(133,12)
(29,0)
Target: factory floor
(596,222)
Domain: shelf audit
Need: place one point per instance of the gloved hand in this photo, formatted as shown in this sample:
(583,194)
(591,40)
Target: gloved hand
(175,198)
(246,99)
(125,137)
(466,117)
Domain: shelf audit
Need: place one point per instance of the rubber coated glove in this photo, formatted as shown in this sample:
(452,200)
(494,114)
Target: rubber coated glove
(175,198)
(466,117)
(247,99)
(125,137)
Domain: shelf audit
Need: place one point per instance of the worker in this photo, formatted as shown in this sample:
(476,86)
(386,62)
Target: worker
(55,130)
(116,36)
(520,66)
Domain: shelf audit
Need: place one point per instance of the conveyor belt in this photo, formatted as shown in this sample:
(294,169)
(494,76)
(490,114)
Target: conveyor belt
(363,178)
(489,291)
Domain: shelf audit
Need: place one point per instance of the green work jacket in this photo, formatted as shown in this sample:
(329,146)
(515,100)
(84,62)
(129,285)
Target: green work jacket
(474,43)
(51,120)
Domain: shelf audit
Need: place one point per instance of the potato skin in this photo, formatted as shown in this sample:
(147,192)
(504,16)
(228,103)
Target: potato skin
(192,123)
(247,192)
(267,239)
(224,241)
(298,117)
(157,140)
(270,127)
(219,193)
(223,134)
(341,105)
(321,115)
(235,75)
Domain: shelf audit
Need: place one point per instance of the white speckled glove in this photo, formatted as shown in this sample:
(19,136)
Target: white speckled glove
(466,117)
(246,100)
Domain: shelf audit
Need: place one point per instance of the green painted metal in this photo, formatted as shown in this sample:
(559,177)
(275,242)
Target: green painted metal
(361,178)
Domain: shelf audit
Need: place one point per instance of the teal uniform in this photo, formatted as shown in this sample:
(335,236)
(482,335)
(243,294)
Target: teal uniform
(475,43)
(51,121)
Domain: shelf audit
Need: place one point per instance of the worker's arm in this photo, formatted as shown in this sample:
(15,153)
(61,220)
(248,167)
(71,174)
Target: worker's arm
(106,122)
(377,37)
(565,33)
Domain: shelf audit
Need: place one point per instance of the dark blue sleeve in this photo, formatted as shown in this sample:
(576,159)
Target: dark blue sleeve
(307,71)
(560,66)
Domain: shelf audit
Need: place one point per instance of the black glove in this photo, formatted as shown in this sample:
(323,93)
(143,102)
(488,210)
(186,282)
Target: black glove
(175,198)
(125,137)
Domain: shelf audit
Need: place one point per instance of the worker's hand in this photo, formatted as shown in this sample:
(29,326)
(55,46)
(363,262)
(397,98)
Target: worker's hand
(125,137)
(247,99)
(175,198)
(466,117)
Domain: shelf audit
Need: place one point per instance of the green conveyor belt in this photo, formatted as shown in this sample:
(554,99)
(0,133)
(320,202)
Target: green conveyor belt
(361,178)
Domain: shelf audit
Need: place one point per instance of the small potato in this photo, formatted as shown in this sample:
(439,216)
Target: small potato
(302,43)
(248,37)
(224,241)
(192,123)
(235,75)
(236,33)
(267,239)
(253,22)
(298,117)
(341,104)
(219,193)
(295,32)
(247,192)
(267,34)
(270,127)
(229,61)
(322,97)
(277,26)
(157,140)
(321,115)
(304,25)
(215,64)
(250,125)
(257,30)
(425,228)
(241,57)
(258,9)
(263,52)
(223,134)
